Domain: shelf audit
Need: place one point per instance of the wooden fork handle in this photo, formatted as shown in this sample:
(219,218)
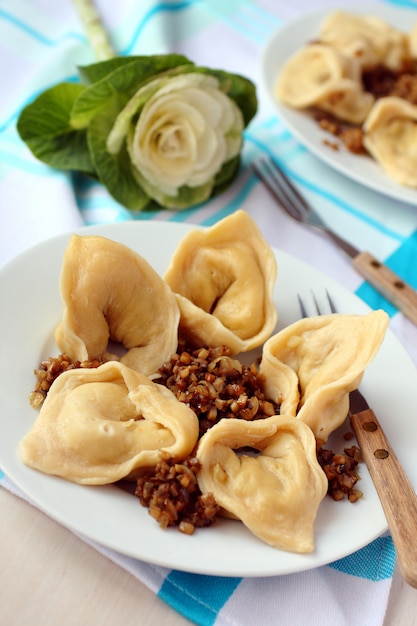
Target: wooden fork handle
(396,290)
(397,496)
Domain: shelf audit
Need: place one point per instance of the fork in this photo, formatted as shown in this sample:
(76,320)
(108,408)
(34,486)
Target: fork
(397,496)
(384,280)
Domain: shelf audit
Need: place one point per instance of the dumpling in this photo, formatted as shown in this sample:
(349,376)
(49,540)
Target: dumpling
(313,364)
(223,278)
(368,39)
(111,293)
(100,425)
(320,76)
(276,494)
(412,41)
(390,136)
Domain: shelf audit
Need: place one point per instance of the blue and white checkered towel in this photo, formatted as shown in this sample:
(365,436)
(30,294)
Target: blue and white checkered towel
(42,42)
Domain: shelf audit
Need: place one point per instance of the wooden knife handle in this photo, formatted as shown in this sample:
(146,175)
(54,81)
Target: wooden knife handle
(397,496)
(396,290)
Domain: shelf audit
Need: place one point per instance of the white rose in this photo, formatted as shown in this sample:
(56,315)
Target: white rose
(187,129)
(185,133)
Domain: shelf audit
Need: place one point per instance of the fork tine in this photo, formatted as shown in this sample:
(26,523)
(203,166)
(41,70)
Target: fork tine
(331,303)
(269,176)
(318,310)
(291,191)
(302,306)
(281,187)
(260,168)
(316,304)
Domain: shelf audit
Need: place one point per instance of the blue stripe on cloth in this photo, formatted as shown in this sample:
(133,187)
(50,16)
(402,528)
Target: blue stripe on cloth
(197,597)
(38,36)
(407,4)
(162,7)
(403,263)
(251,21)
(278,139)
(234,204)
(341,203)
(319,190)
(374,562)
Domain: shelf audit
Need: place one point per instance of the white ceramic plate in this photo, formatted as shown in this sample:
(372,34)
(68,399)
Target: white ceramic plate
(281,46)
(30,310)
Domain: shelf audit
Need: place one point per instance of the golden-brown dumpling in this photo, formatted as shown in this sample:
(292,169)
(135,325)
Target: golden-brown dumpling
(275,494)
(368,39)
(318,75)
(98,426)
(111,293)
(223,278)
(313,364)
(390,136)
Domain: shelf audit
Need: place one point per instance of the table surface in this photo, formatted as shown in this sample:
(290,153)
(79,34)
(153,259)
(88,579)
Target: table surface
(64,580)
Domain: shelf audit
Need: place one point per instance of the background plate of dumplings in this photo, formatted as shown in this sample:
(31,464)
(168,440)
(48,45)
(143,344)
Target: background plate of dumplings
(112,517)
(283,44)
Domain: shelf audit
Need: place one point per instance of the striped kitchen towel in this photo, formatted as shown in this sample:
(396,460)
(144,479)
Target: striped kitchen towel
(353,590)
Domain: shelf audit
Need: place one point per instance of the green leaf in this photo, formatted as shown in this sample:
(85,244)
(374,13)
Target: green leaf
(188,197)
(119,85)
(226,176)
(49,113)
(114,171)
(68,151)
(239,89)
(44,125)
(185,198)
(93,73)
(191,196)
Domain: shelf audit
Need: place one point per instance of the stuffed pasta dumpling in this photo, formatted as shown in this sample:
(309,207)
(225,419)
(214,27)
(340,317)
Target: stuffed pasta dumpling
(223,278)
(100,425)
(366,38)
(311,366)
(390,136)
(320,76)
(111,293)
(276,494)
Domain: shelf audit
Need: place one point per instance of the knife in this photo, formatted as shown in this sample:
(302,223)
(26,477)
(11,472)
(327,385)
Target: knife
(397,496)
